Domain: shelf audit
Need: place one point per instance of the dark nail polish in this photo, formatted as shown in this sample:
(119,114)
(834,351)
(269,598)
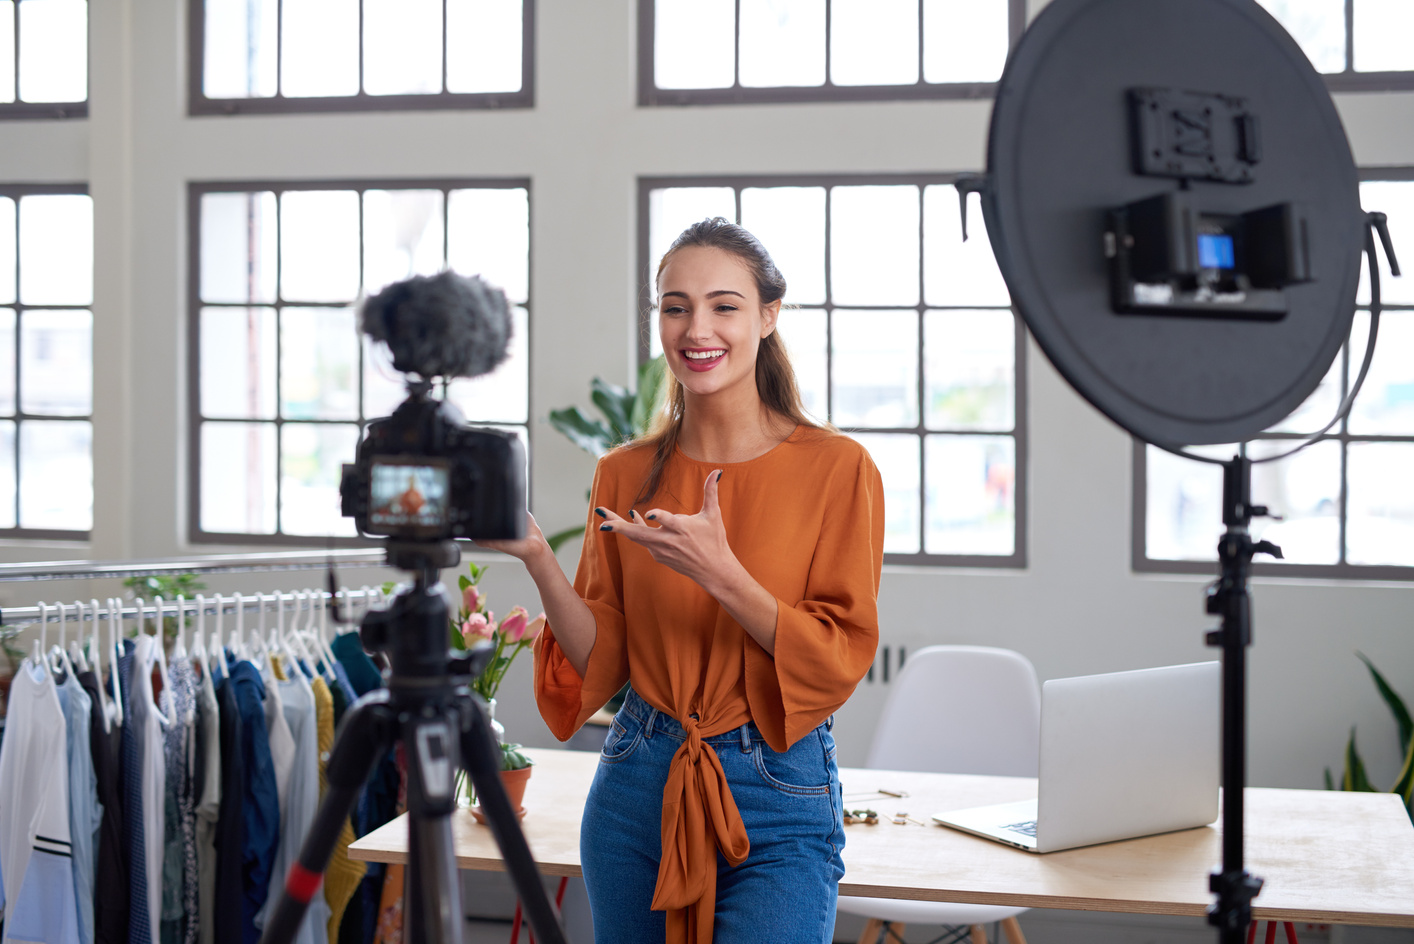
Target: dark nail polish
(601,512)
(631,513)
(719,476)
(606,527)
(652,517)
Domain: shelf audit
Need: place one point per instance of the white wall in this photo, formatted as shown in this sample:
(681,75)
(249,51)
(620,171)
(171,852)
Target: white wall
(1076,609)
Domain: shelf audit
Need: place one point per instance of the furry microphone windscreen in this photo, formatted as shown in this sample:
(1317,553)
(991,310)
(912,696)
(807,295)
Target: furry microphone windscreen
(444,325)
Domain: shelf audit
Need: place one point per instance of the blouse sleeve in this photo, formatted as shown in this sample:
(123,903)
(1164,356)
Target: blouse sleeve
(826,641)
(565,700)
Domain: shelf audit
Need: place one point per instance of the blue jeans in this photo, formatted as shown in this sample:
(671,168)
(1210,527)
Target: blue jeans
(790,804)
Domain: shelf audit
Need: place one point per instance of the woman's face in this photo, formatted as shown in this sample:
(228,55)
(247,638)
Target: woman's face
(711,320)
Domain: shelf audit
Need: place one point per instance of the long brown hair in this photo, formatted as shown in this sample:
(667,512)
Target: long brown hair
(775,378)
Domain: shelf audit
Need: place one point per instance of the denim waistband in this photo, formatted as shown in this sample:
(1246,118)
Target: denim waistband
(657,722)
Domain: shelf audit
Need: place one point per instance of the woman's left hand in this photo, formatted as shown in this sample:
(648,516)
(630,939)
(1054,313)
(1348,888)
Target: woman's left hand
(693,545)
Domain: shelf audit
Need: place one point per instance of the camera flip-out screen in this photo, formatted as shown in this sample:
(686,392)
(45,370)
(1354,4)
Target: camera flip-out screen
(408,494)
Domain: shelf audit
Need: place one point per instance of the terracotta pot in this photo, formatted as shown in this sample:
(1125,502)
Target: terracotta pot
(514,781)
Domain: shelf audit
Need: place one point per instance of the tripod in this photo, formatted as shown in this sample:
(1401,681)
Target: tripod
(429,706)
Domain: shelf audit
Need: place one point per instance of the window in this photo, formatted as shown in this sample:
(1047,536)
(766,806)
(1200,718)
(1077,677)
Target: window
(46,362)
(283,383)
(1346,501)
(1357,44)
(899,332)
(43,58)
(262,56)
(718,51)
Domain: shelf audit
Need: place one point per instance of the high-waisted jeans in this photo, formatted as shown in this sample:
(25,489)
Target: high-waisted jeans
(789,802)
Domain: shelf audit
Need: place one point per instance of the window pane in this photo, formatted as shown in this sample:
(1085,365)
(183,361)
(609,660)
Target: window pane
(56,362)
(56,249)
(1380,529)
(1385,405)
(971,370)
(874,42)
(672,210)
(1382,31)
(804,334)
(1305,491)
(790,222)
(242,37)
(319,249)
(971,495)
(319,48)
(874,245)
(897,458)
(7,364)
(875,368)
(56,475)
(53,50)
(402,235)
(7,474)
(1396,199)
(7,89)
(311,460)
(238,363)
(488,234)
(957,272)
(1318,408)
(1318,26)
(502,395)
(7,250)
(782,42)
(318,364)
(484,43)
(238,241)
(694,43)
(402,46)
(964,40)
(1184,515)
(238,478)
(383,387)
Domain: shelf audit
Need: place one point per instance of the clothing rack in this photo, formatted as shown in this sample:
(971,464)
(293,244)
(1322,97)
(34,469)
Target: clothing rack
(208,564)
(15,618)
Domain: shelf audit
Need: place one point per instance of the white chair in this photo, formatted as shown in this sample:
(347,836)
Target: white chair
(957,710)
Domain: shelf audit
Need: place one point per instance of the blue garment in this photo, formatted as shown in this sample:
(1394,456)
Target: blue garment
(85,812)
(134,839)
(341,676)
(790,804)
(363,674)
(261,810)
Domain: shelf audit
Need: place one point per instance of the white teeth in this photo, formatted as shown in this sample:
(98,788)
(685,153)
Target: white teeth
(702,355)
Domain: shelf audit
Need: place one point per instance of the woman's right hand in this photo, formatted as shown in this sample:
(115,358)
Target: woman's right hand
(524,549)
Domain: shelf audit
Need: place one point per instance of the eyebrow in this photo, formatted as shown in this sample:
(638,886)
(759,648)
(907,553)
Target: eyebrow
(720,291)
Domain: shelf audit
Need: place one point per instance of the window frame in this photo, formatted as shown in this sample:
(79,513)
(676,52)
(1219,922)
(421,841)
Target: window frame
(195,191)
(649,95)
(32,111)
(1350,80)
(1140,562)
(1018,559)
(15,191)
(199,104)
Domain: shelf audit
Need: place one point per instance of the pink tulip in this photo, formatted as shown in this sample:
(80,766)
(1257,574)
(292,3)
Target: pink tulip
(471,599)
(514,626)
(476,627)
(533,631)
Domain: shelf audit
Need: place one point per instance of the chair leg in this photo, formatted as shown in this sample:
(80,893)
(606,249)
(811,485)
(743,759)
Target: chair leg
(1012,930)
(979,934)
(871,931)
(896,928)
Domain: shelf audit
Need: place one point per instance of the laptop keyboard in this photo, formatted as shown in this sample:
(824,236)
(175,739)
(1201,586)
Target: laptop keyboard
(1027,828)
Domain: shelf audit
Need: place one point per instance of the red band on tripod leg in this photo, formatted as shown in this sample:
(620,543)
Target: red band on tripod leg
(302,883)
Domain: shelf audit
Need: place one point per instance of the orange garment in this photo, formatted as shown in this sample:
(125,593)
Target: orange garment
(806,520)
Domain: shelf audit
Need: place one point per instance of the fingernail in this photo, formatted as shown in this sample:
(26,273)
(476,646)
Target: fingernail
(652,517)
(606,527)
(601,512)
(719,476)
(630,512)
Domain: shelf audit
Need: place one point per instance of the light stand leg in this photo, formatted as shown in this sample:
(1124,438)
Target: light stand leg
(431,894)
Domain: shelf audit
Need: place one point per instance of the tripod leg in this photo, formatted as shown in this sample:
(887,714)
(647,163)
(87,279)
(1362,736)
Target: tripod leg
(482,761)
(431,892)
(366,735)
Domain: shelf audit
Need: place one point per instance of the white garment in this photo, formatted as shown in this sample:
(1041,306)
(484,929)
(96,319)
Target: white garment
(153,764)
(35,852)
(282,742)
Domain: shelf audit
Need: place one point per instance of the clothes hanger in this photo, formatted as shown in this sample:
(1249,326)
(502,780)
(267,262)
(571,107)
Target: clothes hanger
(179,648)
(216,642)
(158,655)
(198,648)
(58,656)
(38,655)
(329,658)
(115,622)
(76,655)
(93,647)
(238,637)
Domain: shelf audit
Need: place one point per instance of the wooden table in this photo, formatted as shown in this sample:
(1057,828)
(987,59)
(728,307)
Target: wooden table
(1327,857)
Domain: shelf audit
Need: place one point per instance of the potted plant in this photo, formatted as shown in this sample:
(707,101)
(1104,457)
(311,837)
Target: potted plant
(1354,776)
(516,632)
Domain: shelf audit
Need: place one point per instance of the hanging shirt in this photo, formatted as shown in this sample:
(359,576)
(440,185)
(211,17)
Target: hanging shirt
(111,885)
(85,812)
(806,520)
(282,742)
(207,787)
(229,896)
(179,907)
(36,859)
(134,823)
(363,675)
(258,800)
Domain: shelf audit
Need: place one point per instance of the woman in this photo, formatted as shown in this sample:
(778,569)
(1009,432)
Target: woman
(732,580)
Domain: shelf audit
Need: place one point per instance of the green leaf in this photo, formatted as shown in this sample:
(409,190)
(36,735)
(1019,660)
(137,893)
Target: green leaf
(650,394)
(512,758)
(476,572)
(1330,784)
(1355,777)
(456,636)
(463,581)
(590,435)
(1396,704)
(615,403)
(560,537)
(1404,786)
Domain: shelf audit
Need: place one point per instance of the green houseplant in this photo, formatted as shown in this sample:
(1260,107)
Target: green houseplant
(1354,776)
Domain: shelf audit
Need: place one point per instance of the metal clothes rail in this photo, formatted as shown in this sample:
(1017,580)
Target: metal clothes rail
(208,564)
(15,618)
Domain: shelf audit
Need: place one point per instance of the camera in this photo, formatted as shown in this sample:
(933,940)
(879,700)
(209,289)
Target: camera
(422,474)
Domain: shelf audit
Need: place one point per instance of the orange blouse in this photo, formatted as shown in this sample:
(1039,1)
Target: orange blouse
(806,519)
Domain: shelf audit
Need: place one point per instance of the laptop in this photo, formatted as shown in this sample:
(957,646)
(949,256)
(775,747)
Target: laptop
(1124,754)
